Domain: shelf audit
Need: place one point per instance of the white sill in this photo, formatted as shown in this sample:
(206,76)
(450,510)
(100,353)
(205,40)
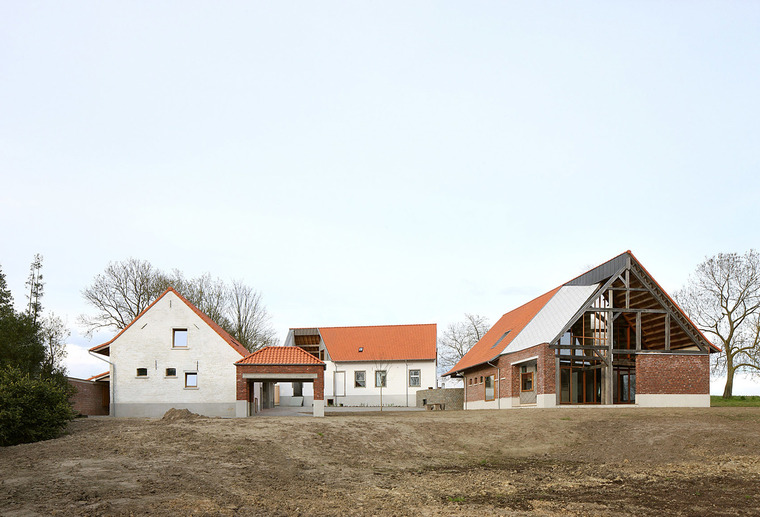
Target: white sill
(180,348)
(170,376)
(191,387)
(141,376)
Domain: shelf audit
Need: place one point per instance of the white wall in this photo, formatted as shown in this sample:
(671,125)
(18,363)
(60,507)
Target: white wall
(148,344)
(397,391)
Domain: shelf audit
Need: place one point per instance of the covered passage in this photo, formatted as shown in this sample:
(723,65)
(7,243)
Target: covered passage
(258,372)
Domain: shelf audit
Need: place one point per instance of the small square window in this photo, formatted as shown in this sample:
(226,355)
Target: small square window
(360,379)
(414,379)
(380,379)
(180,338)
(142,372)
(191,379)
(171,372)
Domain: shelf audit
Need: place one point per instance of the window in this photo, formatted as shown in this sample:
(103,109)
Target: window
(360,379)
(380,378)
(470,379)
(414,379)
(191,379)
(489,387)
(180,338)
(322,355)
(481,379)
(526,381)
(171,372)
(142,372)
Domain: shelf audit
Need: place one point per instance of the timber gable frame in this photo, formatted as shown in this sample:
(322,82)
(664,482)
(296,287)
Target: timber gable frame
(595,336)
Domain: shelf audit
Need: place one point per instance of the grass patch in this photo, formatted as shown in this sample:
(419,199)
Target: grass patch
(738,401)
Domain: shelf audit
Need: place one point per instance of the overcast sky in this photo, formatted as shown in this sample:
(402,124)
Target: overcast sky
(369,163)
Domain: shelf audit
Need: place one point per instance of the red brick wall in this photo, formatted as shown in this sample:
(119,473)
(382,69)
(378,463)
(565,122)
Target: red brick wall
(509,384)
(672,374)
(91,397)
(319,382)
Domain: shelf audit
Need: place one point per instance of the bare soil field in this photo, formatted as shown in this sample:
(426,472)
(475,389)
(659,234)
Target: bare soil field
(525,462)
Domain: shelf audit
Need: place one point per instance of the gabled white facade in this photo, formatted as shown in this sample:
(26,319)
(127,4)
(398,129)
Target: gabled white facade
(141,386)
(343,386)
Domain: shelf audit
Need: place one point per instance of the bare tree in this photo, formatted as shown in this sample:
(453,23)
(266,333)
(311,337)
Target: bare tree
(126,288)
(54,334)
(248,319)
(723,298)
(120,293)
(211,296)
(458,338)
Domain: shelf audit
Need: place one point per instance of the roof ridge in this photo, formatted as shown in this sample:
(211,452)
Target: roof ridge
(206,318)
(365,326)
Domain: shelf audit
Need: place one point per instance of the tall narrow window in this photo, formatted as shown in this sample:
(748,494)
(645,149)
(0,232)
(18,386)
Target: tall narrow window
(526,381)
(180,338)
(380,378)
(414,379)
(489,387)
(191,379)
(360,379)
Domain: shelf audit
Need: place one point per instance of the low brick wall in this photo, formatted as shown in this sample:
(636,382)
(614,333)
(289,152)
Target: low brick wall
(450,398)
(91,398)
(672,374)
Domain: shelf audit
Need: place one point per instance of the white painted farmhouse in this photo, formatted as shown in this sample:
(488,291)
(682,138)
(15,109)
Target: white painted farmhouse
(367,366)
(172,356)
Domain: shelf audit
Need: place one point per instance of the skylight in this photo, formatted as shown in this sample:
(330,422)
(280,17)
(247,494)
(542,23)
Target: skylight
(501,338)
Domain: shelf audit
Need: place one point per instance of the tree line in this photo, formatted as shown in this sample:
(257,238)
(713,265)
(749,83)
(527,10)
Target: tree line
(34,392)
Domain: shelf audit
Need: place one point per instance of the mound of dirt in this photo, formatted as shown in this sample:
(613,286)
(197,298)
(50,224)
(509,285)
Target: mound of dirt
(180,414)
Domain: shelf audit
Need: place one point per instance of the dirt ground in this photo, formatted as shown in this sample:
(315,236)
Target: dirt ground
(523,462)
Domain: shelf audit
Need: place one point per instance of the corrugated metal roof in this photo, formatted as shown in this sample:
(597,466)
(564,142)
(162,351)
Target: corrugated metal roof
(513,322)
(602,272)
(548,322)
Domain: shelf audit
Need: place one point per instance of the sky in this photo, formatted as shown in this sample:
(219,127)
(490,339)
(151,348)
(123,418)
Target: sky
(365,163)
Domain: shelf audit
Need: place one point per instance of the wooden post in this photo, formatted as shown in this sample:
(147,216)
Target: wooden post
(638,332)
(667,331)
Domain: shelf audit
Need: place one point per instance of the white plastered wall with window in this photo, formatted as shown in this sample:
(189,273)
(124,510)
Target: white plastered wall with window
(341,388)
(207,361)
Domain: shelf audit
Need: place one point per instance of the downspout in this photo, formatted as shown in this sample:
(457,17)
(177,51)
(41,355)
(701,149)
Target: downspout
(498,382)
(406,381)
(111,383)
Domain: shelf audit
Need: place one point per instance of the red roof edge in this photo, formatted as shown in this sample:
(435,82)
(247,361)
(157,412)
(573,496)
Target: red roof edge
(96,377)
(211,323)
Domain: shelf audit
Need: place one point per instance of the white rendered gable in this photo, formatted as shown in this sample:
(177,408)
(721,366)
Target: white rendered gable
(552,317)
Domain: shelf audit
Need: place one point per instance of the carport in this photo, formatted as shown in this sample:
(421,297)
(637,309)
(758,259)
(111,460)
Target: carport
(258,372)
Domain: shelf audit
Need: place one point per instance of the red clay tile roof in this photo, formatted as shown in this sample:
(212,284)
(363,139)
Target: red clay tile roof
(98,376)
(211,323)
(381,343)
(514,321)
(280,355)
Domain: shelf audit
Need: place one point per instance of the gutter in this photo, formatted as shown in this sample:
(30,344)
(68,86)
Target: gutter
(498,382)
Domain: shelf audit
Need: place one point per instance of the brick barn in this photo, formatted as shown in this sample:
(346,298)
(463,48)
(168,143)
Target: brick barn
(610,336)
